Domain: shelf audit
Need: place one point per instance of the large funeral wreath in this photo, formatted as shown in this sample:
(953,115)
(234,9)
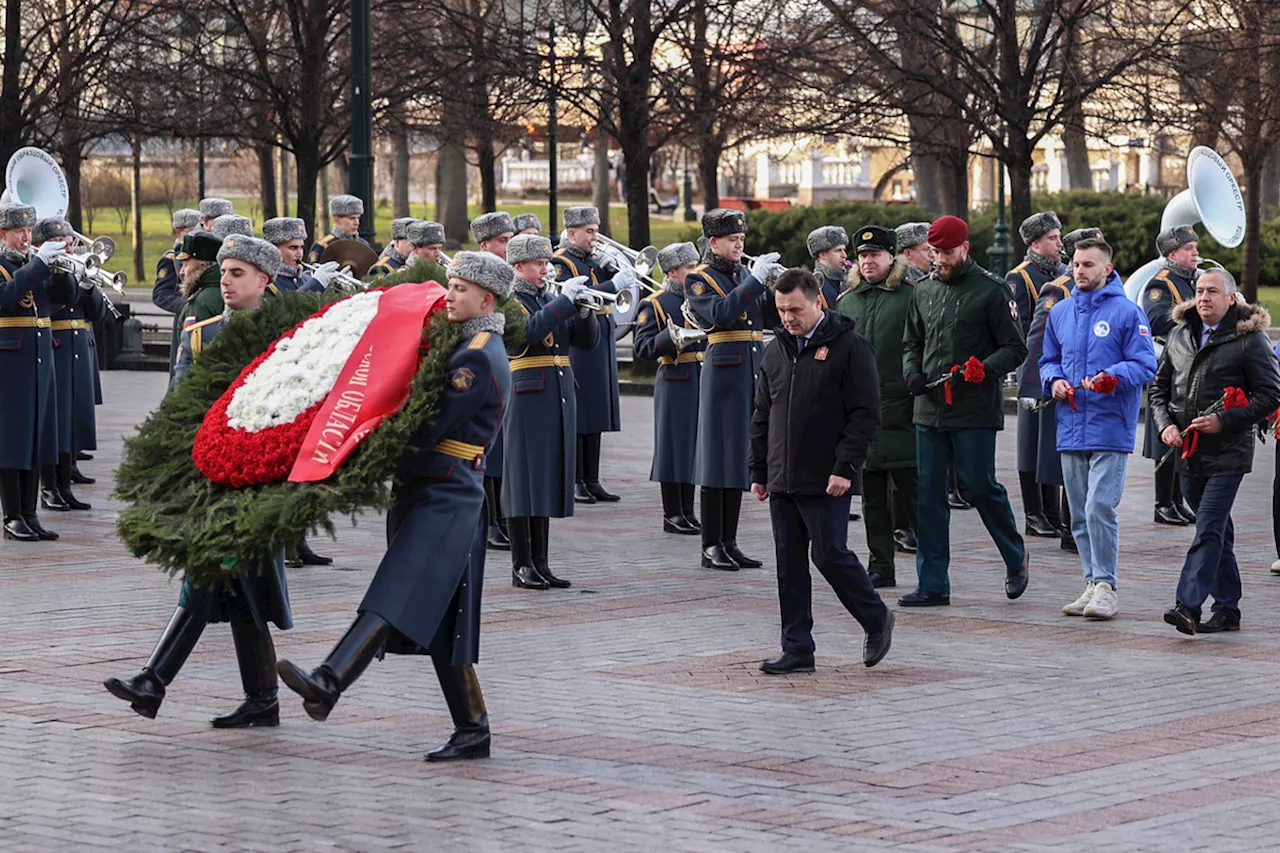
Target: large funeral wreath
(186,523)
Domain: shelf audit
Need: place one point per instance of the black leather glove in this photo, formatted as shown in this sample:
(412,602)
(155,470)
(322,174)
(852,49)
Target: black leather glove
(916,384)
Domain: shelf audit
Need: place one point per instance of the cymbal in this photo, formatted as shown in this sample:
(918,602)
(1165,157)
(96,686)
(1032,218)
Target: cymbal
(350,253)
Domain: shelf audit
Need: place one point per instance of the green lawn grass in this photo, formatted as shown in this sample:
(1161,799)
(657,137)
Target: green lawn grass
(157,236)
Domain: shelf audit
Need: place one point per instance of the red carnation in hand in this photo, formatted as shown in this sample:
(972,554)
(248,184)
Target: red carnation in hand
(974,370)
(1105,384)
(1234,398)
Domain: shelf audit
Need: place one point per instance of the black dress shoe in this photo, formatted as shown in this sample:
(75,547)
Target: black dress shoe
(598,492)
(17,530)
(464,744)
(51,499)
(882,581)
(955,500)
(1182,619)
(924,598)
(1039,525)
(905,541)
(1068,543)
(876,645)
(1217,623)
(497,540)
(1167,514)
(787,663)
(1015,583)
(263,710)
(311,558)
(854,516)
(1185,511)
(528,577)
(714,557)
(40,530)
(743,561)
(581,495)
(81,456)
(78,479)
(680,525)
(144,692)
(73,502)
(318,688)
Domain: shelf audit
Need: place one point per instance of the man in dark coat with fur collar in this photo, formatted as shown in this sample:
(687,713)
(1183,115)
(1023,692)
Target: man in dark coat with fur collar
(877,299)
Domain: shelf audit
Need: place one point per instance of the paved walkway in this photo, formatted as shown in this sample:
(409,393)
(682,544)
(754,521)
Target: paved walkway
(628,713)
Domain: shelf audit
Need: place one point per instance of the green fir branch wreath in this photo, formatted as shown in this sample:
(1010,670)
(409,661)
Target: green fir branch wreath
(187,525)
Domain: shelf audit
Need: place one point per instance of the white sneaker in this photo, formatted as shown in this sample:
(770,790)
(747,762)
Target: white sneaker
(1104,603)
(1076,608)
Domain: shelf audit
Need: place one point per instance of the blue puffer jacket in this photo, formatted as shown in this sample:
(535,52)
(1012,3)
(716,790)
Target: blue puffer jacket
(1094,331)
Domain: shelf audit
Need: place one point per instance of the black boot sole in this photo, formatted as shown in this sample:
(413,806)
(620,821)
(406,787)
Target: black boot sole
(14,537)
(1183,627)
(259,719)
(459,755)
(118,689)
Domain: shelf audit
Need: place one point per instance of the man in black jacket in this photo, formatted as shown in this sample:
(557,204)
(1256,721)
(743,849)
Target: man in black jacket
(817,406)
(1215,343)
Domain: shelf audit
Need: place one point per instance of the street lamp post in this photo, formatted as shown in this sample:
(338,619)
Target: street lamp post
(1000,255)
(360,173)
(553,179)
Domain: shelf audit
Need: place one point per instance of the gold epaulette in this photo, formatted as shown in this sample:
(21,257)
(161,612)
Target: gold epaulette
(480,340)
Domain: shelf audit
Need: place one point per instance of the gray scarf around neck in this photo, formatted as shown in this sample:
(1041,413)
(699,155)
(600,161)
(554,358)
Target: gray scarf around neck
(724,265)
(1188,273)
(822,271)
(523,285)
(670,285)
(494,323)
(12,255)
(1046,264)
(914,274)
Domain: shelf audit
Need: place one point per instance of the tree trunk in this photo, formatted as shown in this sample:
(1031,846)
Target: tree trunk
(1019,168)
(451,192)
(284,181)
(709,154)
(267,179)
(11,129)
(306,158)
(926,167)
(1271,183)
(1076,145)
(600,184)
(71,167)
(487,163)
(1250,251)
(954,185)
(400,174)
(637,165)
(135,198)
(323,175)
(343,167)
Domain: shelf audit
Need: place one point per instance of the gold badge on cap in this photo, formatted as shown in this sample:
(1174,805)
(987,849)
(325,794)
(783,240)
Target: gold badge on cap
(1155,294)
(699,289)
(867,235)
(231,243)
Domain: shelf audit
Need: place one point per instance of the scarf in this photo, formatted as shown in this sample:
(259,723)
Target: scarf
(523,285)
(13,255)
(670,285)
(914,275)
(1046,264)
(724,265)
(494,323)
(822,271)
(343,235)
(1189,273)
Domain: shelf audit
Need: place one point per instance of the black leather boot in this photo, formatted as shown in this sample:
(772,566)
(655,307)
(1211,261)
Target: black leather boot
(321,687)
(497,538)
(713,553)
(955,497)
(580,493)
(145,691)
(78,478)
(673,520)
(65,464)
(15,526)
(686,506)
(540,538)
(50,498)
(311,558)
(732,511)
(1068,542)
(256,655)
(524,574)
(591,469)
(1179,504)
(462,694)
(29,485)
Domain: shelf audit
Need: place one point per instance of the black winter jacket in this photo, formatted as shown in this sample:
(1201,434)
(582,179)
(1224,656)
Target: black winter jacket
(815,413)
(1190,379)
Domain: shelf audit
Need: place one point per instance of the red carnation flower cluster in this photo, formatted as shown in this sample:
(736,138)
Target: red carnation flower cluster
(1104,384)
(1232,398)
(974,370)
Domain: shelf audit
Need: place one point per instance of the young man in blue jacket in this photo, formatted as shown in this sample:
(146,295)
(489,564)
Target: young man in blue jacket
(1096,333)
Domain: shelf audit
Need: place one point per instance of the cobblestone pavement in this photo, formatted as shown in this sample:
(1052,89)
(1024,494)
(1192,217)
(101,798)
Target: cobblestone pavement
(628,713)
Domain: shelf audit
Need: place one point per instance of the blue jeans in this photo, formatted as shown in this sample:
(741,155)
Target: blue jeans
(1210,567)
(1095,482)
(973,452)
(817,527)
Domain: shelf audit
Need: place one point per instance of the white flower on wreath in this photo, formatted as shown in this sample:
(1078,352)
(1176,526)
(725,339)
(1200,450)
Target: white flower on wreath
(302,369)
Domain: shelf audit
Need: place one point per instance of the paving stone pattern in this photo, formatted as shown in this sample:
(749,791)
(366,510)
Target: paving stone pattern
(628,713)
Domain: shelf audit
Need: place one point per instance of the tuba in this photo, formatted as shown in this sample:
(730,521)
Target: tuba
(1212,198)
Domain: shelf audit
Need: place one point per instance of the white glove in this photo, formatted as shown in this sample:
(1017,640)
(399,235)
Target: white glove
(50,251)
(325,273)
(625,279)
(1028,403)
(764,266)
(574,287)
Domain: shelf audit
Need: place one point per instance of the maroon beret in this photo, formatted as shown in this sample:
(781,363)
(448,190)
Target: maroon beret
(947,232)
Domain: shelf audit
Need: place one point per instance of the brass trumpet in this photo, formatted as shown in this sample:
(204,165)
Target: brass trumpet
(595,299)
(684,338)
(344,280)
